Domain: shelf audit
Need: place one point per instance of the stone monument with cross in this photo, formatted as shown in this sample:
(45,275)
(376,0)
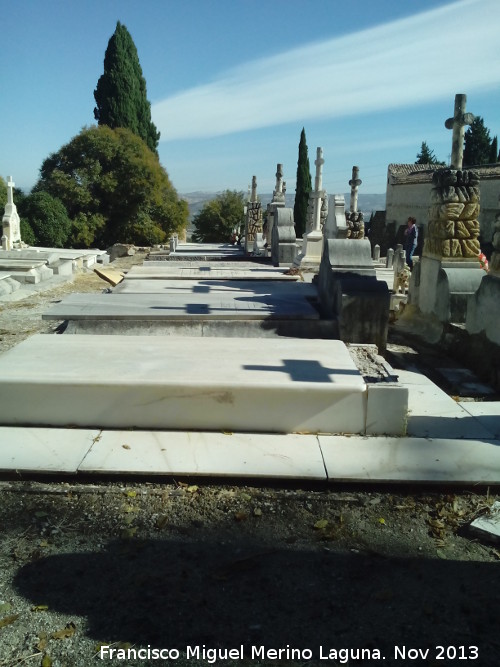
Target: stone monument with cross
(253,221)
(278,201)
(312,242)
(354,218)
(11,224)
(449,270)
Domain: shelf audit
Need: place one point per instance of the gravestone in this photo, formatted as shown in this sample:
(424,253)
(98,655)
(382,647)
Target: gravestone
(312,244)
(354,218)
(483,308)
(336,224)
(11,223)
(253,220)
(278,201)
(449,270)
(348,289)
(283,245)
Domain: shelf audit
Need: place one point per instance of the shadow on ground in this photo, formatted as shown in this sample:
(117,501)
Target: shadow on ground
(171,593)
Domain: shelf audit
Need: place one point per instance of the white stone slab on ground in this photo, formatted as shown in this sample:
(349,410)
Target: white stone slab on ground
(205,271)
(184,306)
(221,287)
(434,414)
(206,454)
(406,460)
(285,385)
(487,413)
(43,450)
(487,526)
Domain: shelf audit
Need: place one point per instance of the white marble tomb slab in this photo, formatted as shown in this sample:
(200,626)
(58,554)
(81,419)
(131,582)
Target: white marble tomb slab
(214,454)
(385,459)
(44,449)
(154,382)
(181,306)
(238,287)
(196,271)
(434,414)
(487,414)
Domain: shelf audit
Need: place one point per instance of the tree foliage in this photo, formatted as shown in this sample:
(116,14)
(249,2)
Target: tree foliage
(219,217)
(426,155)
(120,94)
(47,218)
(3,194)
(113,188)
(477,143)
(303,187)
(493,151)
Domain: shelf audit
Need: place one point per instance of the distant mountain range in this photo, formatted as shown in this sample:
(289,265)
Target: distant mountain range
(366,202)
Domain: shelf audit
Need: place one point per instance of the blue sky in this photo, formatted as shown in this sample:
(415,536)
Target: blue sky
(232,82)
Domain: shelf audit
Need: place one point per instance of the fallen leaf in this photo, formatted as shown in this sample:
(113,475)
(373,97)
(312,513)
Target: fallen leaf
(46,661)
(246,496)
(40,607)
(8,620)
(227,433)
(382,521)
(5,606)
(126,446)
(192,489)
(321,524)
(41,645)
(64,633)
(240,516)
(257,511)
(131,494)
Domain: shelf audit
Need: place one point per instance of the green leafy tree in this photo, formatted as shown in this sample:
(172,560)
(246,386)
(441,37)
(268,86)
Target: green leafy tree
(3,194)
(47,218)
(493,151)
(219,217)
(477,143)
(426,155)
(303,187)
(120,94)
(114,189)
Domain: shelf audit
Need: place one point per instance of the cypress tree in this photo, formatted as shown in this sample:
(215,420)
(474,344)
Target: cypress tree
(303,187)
(494,151)
(477,143)
(120,94)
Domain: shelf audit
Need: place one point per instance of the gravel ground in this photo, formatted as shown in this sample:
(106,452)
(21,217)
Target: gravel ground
(143,565)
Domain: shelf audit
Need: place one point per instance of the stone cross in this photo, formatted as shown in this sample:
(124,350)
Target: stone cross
(318,189)
(10,190)
(254,189)
(457,124)
(279,179)
(355,182)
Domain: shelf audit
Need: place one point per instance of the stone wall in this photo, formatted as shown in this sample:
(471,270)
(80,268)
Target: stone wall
(409,193)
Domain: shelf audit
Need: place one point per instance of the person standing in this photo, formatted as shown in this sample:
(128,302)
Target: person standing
(411,238)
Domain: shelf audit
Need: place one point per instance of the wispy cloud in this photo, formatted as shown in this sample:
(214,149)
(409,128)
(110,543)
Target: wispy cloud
(410,61)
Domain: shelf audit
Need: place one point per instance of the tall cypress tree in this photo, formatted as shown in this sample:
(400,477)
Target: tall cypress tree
(477,143)
(493,151)
(120,94)
(302,188)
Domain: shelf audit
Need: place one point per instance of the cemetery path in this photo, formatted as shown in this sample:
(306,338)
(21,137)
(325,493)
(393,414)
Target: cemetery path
(178,563)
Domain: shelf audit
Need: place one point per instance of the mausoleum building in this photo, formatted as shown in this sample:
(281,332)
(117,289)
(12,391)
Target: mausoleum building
(409,189)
